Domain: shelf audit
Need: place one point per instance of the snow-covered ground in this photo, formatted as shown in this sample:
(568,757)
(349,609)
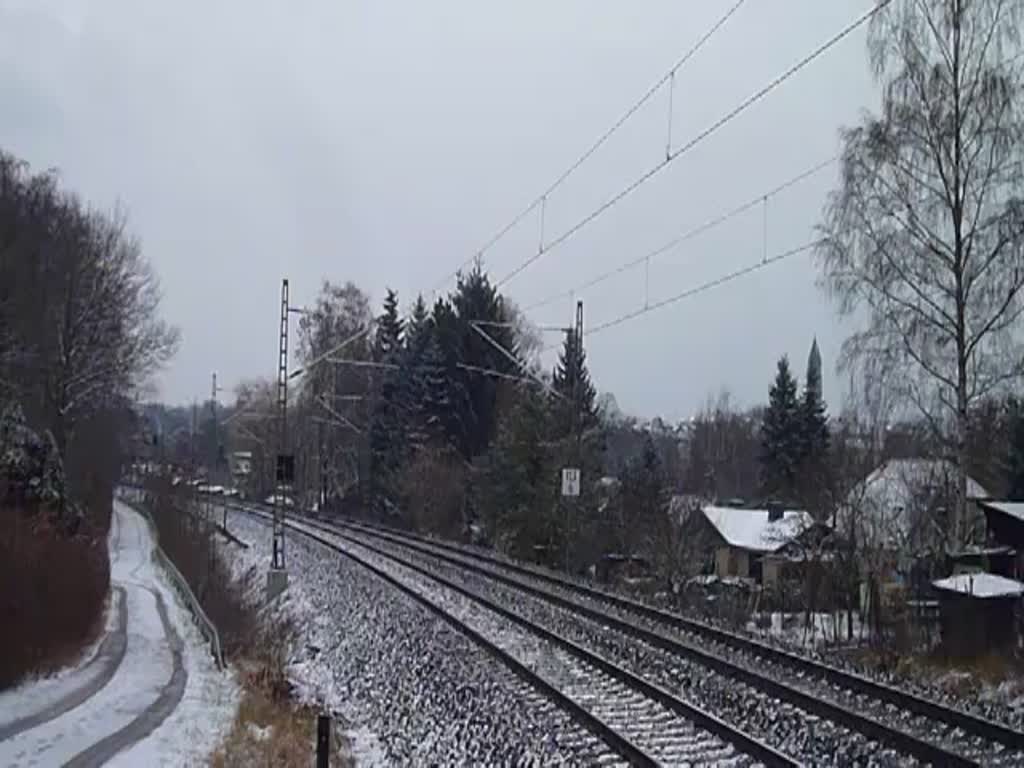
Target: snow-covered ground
(37,699)
(412,690)
(793,629)
(166,703)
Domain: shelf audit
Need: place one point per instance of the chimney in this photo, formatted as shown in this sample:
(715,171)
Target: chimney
(774,511)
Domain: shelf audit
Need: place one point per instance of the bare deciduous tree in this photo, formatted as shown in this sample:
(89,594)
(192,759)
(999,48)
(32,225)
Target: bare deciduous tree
(339,395)
(925,235)
(723,447)
(78,307)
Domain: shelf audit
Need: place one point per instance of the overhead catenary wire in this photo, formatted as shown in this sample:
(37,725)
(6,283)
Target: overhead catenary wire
(542,198)
(698,139)
(529,378)
(601,140)
(707,286)
(513,358)
(710,224)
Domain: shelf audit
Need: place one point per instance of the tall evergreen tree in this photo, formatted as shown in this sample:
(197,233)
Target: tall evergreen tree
(456,418)
(388,445)
(782,436)
(424,388)
(815,418)
(575,429)
(575,405)
(516,486)
(476,302)
(388,337)
(644,498)
(419,326)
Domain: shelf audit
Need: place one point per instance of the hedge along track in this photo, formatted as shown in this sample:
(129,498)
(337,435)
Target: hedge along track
(661,629)
(640,722)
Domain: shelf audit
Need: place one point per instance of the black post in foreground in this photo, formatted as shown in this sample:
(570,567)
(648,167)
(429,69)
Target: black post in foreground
(323,740)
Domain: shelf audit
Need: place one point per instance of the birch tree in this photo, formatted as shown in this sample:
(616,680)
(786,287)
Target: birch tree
(923,239)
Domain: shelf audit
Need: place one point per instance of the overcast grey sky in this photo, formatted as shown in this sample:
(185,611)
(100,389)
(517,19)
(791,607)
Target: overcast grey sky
(384,142)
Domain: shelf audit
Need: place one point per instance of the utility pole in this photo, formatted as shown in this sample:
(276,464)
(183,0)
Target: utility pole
(572,476)
(215,464)
(277,576)
(192,440)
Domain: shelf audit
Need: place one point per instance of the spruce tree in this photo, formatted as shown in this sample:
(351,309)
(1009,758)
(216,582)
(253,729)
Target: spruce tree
(456,416)
(388,337)
(516,487)
(388,445)
(815,418)
(574,389)
(644,498)
(575,429)
(418,329)
(477,302)
(782,436)
(424,388)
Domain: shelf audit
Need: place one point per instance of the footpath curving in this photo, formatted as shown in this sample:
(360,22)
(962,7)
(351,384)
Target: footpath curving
(119,702)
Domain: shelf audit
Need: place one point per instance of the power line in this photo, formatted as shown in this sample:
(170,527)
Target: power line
(700,137)
(667,77)
(688,235)
(542,197)
(703,287)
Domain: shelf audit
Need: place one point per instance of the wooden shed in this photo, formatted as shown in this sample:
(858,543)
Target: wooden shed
(978,613)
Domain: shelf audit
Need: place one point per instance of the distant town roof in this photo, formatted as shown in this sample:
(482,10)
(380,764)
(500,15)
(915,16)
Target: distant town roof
(751,529)
(981,585)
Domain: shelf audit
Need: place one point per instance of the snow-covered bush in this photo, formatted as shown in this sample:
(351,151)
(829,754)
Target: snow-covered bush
(31,470)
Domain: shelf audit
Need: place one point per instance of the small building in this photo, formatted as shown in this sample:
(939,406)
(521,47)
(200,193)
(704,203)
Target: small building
(240,465)
(1004,522)
(622,569)
(901,514)
(756,544)
(978,613)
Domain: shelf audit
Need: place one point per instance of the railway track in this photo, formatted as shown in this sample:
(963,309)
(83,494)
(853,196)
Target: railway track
(640,722)
(913,712)
(931,732)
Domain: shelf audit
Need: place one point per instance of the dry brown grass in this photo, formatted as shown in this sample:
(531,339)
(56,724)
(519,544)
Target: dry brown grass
(962,677)
(270,731)
(53,588)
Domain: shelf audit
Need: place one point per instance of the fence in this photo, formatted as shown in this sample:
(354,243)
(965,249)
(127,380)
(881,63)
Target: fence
(135,498)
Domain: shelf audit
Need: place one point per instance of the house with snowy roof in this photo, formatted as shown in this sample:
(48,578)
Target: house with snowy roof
(904,505)
(900,517)
(758,544)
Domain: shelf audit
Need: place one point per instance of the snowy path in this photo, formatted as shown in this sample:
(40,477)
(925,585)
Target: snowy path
(164,662)
(32,705)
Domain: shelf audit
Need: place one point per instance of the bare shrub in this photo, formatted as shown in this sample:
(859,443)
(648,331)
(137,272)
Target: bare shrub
(52,591)
(188,539)
(434,488)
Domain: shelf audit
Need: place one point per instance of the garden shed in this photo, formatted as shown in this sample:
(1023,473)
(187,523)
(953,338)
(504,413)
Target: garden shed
(978,613)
